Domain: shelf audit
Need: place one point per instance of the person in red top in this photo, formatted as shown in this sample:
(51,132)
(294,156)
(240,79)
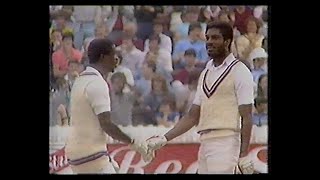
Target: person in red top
(61,58)
(190,60)
(242,13)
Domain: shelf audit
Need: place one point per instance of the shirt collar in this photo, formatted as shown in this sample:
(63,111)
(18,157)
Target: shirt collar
(227,61)
(90,69)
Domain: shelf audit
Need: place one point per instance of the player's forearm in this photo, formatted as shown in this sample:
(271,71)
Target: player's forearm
(246,115)
(181,127)
(111,129)
(115,132)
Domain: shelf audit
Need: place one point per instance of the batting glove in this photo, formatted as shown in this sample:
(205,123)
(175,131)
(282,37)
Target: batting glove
(156,142)
(142,148)
(245,166)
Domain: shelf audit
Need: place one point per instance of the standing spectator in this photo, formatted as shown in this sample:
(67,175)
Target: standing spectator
(167,115)
(250,40)
(258,57)
(86,18)
(121,102)
(165,41)
(194,41)
(61,58)
(159,92)
(261,116)
(144,16)
(263,86)
(132,57)
(242,13)
(130,30)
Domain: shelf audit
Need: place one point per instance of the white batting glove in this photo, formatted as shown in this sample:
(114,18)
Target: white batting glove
(245,166)
(156,142)
(142,148)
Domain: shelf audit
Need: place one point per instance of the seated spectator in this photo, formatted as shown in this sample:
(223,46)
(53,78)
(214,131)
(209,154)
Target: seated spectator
(192,87)
(143,85)
(74,69)
(159,92)
(100,32)
(130,30)
(176,18)
(144,16)
(205,15)
(162,56)
(262,89)
(261,116)
(242,13)
(191,16)
(181,94)
(165,41)
(258,57)
(167,115)
(132,57)
(61,22)
(250,40)
(61,58)
(55,40)
(194,41)
(182,75)
(121,102)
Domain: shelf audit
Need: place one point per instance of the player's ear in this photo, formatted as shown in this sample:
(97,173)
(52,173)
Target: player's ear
(227,42)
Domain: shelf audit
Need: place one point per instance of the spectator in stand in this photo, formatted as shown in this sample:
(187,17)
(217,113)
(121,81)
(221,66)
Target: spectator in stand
(74,69)
(258,57)
(260,117)
(55,40)
(191,16)
(61,22)
(121,102)
(143,85)
(130,30)
(144,16)
(192,87)
(162,56)
(193,41)
(61,58)
(167,115)
(263,86)
(101,31)
(182,75)
(86,18)
(165,41)
(242,13)
(250,40)
(132,57)
(205,15)
(159,92)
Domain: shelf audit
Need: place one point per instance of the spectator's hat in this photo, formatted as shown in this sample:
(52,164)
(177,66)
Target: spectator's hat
(257,53)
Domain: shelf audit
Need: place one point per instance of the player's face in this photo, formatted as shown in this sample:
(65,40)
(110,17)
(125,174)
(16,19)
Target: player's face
(111,60)
(216,45)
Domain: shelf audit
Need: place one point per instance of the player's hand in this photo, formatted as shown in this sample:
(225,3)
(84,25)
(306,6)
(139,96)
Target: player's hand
(156,142)
(142,148)
(245,166)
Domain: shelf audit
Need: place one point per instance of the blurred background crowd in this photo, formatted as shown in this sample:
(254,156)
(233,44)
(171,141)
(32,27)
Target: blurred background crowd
(162,52)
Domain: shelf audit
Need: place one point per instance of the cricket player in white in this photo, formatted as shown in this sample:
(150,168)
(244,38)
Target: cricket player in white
(90,115)
(222,109)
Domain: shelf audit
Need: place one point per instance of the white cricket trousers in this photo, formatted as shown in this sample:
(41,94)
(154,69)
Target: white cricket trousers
(219,155)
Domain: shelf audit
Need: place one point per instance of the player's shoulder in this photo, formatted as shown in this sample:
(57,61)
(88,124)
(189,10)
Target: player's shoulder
(240,67)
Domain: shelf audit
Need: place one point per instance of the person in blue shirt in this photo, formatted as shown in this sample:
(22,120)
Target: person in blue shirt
(193,41)
(260,117)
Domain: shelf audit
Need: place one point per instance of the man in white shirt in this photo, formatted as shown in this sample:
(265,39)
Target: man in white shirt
(222,109)
(165,41)
(90,115)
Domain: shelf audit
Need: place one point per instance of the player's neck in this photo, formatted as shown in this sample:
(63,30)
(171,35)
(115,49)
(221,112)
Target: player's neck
(219,60)
(100,68)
